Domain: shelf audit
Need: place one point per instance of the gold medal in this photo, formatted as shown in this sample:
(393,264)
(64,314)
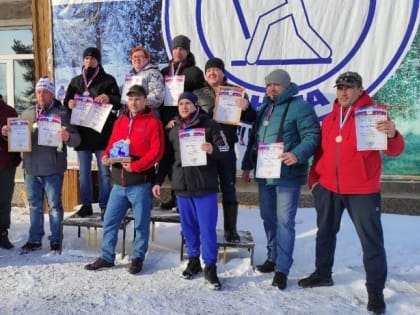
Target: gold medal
(338,139)
(86,93)
(34,125)
(265,123)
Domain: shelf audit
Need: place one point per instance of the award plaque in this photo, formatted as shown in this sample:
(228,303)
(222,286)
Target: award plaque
(120,152)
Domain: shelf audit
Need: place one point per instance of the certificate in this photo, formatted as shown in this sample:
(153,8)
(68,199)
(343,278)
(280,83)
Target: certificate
(190,141)
(49,127)
(174,87)
(129,81)
(90,114)
(268,161)
(226,109)
(19,138)
(368,137)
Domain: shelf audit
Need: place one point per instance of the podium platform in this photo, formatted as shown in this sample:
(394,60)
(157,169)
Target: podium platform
(92,222)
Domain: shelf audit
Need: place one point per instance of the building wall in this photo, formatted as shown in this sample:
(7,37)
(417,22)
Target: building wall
(15,13)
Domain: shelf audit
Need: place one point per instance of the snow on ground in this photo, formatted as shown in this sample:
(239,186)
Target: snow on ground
(48,283)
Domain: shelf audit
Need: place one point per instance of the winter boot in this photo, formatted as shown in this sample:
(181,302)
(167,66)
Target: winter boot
(135,266)
(99,264)
(267,267)
(279,280)
(4,240)
(85,211)
(193,268)
(316,280)
(210,275)
(376,303)
(230,214)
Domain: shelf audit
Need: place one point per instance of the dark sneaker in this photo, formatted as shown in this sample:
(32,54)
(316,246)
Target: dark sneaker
(55,247)
(316,280)
(193,268)
(136,266)
(266,267)
(85,211)
(210,275)
(232,236)
(376,304)
(168,205)
(98,264)
(30,247)
(4,240)
(280,280)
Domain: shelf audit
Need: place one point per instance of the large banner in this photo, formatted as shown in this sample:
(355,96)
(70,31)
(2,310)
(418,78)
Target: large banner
(313,40)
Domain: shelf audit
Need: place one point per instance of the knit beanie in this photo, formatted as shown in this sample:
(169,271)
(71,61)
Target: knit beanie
(181,41)
(278,76)
(92,52)
(215,63)
(189,96)
(45,83)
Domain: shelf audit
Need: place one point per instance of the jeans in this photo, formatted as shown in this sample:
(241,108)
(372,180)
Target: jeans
(36,187)
(7,184)
(365,213)
(278,206)
(85,178)
(139,198)
(226,168)
(198,216)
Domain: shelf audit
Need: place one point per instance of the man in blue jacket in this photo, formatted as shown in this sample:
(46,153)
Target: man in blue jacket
(287,119)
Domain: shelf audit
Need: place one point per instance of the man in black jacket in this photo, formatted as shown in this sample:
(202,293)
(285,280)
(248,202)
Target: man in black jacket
(103,88)
(181,75)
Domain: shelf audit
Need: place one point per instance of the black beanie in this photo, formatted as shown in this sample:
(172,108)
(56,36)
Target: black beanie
(92,52)
(181,41)
(215,63)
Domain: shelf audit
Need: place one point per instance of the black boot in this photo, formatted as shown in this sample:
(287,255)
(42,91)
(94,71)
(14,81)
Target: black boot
(230,214)
(4,240)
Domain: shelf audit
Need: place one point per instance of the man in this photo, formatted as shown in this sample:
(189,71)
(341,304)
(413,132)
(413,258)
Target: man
(132,180)
(181,75)
(93,82)
(282,118)
(44,167)
(8,163)
(195,186)
(226,168)
(343,178)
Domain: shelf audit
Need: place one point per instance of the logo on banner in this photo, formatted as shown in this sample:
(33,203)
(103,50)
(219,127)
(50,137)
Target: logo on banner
(314,42)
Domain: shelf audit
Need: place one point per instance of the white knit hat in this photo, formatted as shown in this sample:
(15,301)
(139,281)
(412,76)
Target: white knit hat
(45,83)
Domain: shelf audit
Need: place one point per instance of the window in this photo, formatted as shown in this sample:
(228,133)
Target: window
(17,67)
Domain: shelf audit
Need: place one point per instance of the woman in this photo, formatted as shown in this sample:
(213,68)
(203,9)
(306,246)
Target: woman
(147,75)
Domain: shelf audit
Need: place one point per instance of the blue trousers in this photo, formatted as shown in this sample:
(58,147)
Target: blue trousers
(198,215)
(365,213)
(85,178)
(139,198)
(278,206)
(36,188)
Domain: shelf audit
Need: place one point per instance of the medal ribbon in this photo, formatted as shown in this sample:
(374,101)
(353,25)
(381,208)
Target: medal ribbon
(173,69)
(86,84)
(343,121)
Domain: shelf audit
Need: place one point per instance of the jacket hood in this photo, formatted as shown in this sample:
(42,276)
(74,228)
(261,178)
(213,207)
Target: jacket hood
(293,89)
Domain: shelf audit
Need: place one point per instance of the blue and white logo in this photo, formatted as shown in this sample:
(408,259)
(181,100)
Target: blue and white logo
(313,40)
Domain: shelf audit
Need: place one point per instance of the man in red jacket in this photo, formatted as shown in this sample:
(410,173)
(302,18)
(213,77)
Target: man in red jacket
(143,134)
(341,177)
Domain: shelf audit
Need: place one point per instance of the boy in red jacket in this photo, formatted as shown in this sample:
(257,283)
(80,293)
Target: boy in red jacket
(341,177)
